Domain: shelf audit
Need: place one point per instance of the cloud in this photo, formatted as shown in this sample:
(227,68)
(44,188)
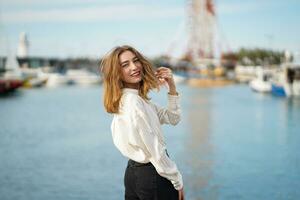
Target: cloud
(45,2)
(95,13)
(106,11)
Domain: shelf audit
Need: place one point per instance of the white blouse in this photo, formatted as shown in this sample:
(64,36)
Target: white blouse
(137,132)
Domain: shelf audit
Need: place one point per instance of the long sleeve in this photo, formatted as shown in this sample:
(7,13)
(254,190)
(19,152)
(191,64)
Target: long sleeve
(171,114)
(155,150)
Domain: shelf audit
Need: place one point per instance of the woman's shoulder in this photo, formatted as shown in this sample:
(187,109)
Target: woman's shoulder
(128,97)
(131,101)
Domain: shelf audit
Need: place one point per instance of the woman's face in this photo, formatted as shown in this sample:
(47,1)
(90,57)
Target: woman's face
(131,68)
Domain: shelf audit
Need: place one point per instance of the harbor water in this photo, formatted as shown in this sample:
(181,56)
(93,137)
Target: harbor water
(231,143)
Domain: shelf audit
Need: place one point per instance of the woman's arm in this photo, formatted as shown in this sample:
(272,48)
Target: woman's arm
(171,114)
(150,143)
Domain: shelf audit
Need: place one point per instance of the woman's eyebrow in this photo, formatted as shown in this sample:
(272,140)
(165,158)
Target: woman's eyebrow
(127,61)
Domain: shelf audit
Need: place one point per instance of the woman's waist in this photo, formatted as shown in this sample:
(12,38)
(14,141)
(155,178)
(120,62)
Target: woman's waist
(132,163)
(141,162)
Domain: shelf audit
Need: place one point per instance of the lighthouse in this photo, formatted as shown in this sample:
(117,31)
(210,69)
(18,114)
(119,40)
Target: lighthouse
(23,46)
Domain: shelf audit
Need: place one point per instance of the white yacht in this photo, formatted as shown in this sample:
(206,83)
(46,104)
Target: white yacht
(262,82)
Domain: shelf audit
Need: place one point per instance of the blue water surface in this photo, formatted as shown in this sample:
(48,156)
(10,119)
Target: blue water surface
(231,143)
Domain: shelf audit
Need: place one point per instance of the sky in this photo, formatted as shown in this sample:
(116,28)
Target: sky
(90,28)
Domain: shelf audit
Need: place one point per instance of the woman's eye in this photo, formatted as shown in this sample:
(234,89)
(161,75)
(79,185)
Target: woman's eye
(137,60)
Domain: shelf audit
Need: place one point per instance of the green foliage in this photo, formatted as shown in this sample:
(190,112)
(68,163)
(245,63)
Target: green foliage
(259,56)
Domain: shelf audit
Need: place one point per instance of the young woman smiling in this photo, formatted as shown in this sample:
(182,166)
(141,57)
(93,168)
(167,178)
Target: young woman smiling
(136,125)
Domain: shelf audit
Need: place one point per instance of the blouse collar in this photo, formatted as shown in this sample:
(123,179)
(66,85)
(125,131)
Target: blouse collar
(130,90)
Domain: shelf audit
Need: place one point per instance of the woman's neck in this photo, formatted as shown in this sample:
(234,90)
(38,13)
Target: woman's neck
(132,86)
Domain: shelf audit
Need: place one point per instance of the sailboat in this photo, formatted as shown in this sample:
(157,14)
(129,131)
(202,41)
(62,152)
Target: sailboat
(9,81)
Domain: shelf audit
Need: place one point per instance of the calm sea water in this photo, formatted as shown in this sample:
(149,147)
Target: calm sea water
(231,144)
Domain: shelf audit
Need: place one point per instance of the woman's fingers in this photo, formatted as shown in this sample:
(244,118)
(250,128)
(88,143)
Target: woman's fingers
(162,68)
(161,81)
(164,75)
(164,72)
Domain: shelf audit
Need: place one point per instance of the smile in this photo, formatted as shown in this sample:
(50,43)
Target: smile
(136,74)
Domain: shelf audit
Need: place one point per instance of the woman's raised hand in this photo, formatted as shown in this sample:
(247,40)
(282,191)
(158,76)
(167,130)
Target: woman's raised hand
(165,75)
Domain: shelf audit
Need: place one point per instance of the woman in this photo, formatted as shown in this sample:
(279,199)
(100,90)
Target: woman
(136,126)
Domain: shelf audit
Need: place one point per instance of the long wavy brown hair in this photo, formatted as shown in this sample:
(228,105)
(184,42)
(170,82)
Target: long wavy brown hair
(110,68)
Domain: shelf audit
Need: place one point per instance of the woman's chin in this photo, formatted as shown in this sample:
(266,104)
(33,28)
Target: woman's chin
(137,80)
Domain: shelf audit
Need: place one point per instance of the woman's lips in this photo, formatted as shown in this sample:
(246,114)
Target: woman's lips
(136,74)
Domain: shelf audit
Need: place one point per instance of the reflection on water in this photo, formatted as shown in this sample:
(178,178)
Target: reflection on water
(198,140)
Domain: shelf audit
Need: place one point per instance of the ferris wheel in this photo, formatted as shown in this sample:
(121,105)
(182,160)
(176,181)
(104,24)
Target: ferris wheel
(202,38)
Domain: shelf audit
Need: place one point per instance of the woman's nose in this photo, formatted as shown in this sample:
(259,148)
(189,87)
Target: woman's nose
(133,65)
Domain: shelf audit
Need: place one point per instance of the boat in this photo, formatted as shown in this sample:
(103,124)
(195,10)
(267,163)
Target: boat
(278,90)
(35,77)
(262,82)
(286,82)
(10,80)
(9,85)
(82,77)
(35,82)
(244,74)
(56,79)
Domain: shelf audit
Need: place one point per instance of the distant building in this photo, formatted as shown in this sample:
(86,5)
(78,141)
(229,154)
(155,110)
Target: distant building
(35,62)
(61,65)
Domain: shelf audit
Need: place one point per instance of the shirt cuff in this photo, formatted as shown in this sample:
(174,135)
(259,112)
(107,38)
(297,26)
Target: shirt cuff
(173,101)
(178,185)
